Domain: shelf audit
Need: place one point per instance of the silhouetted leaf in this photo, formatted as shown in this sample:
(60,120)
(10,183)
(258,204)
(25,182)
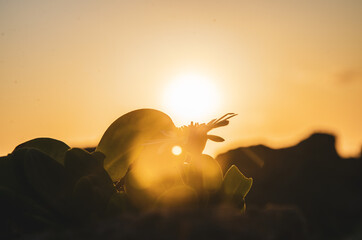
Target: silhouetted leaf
(92,185)
(211,122)
(12,174)
(221,124)
(79,162)
(52,147)
(215,138)
(47,177)
(125,137)
(9,174)
(235,185)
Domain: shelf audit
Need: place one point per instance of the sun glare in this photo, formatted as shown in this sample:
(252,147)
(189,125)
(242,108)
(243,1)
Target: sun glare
(176,150)
(191,97)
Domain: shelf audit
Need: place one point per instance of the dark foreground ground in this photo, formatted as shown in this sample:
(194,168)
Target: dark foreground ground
(221,223)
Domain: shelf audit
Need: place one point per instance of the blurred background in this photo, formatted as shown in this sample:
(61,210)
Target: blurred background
(68,69)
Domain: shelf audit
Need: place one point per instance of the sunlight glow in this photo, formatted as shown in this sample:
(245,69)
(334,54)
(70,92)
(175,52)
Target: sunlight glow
(176,150)
(191,97)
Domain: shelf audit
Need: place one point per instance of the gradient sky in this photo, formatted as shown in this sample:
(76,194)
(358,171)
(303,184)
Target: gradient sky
(68,69)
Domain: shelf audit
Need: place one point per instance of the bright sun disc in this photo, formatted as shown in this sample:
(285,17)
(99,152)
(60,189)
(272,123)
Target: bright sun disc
(176,150)
(191,97)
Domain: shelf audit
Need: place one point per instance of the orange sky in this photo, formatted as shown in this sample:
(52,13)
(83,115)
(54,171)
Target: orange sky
(288,68)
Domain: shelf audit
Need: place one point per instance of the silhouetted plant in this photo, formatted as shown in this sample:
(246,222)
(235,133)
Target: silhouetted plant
(151,172)
(45,183)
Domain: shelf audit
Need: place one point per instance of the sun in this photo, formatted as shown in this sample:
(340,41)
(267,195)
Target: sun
(176,150)
(192,97)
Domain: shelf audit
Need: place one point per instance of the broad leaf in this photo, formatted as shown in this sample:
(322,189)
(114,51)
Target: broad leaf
(52,147)
(123,140)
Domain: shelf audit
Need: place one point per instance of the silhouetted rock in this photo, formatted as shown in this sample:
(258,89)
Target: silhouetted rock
(311,176)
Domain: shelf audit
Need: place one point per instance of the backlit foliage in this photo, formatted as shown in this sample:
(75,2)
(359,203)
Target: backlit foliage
(135,167)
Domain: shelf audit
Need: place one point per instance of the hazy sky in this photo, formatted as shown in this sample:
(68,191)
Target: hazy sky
(288,68)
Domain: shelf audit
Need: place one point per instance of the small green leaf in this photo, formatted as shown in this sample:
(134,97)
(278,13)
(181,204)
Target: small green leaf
(235,185)
(52,147)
